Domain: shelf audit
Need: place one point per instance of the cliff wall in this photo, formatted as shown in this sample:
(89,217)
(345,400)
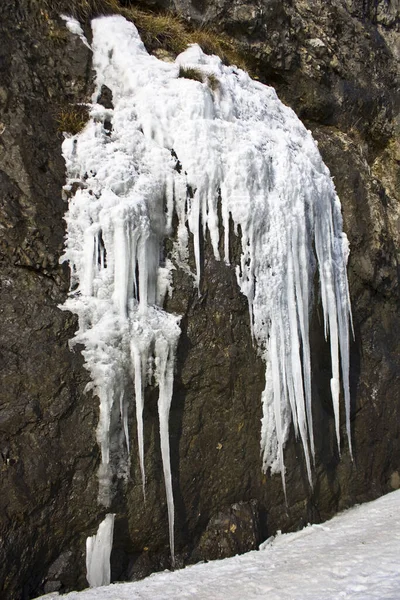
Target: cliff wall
(336,64)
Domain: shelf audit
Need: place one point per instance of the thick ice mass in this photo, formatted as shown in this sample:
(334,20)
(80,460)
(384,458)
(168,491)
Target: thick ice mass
(233,154)
(98,550)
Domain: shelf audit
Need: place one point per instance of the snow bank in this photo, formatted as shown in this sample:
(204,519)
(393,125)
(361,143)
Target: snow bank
(353,556)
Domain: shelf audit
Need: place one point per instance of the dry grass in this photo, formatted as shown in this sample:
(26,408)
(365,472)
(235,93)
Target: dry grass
(191,73)
(228,49)
(170,32)
(213,82)
(72,118)
(163,30)
(58,35)
(81,9)
(197,75)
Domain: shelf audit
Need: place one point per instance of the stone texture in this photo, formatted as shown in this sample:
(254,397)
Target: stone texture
(47,423)
(230,531)
(336,64)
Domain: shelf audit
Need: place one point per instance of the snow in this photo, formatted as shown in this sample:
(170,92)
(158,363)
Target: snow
(98,551)
(184,147)
(355,556)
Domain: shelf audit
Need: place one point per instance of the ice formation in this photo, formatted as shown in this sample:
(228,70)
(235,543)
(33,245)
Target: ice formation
(98,550)
(213,153)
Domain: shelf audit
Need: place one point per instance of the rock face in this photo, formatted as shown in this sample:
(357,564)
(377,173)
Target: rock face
(47,424)
(336,64)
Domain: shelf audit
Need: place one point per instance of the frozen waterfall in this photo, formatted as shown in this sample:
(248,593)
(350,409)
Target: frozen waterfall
(211,155)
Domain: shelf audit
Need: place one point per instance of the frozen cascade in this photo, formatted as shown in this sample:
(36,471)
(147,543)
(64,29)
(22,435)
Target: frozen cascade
(98,550)
(197,150)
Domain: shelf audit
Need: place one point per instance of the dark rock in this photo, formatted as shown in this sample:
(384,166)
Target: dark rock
(47,423)
(105,98)
(232,531)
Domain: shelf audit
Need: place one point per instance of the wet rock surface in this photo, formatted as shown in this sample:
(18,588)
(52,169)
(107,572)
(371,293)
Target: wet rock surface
(336,64)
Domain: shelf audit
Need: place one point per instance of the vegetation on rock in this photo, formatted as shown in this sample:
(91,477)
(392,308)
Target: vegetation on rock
(72,118)
(213,82)
(191,73)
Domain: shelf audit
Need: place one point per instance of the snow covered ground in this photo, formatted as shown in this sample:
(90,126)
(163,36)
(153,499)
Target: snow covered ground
(355,555)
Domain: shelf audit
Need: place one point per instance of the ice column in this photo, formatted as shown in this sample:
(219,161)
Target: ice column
(98,551)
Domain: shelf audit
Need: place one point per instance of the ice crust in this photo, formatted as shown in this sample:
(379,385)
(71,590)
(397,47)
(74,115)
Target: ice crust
(232,156)
(98,551)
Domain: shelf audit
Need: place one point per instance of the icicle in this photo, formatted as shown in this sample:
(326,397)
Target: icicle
(139,358)
(124,417)
(106,402)
(121,278)
(164,354)
(194,224)
(295,382)
(98,551)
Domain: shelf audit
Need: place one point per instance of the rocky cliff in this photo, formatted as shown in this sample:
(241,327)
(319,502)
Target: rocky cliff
(336,64)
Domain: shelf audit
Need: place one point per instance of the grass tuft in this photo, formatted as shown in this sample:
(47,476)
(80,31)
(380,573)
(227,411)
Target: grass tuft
(163,30)
(81,9)
(191,73)
(225,47)
(213,82)
(72,118)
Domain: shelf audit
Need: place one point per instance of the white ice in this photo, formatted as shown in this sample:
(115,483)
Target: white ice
(74,27)
(354,556)
(98,551)
(212,154)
